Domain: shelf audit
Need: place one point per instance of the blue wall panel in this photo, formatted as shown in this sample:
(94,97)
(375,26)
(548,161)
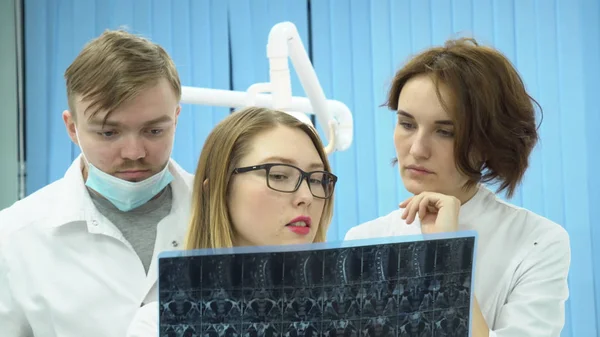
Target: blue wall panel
(356,46)
(386,177)
(591,54)
(572,112)
(322,48)
(250,23)
(332,24)
(37,65)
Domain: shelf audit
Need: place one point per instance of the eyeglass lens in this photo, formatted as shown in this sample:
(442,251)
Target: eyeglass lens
(286,179)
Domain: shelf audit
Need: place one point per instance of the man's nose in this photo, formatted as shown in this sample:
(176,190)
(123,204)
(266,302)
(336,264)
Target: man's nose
(133,149)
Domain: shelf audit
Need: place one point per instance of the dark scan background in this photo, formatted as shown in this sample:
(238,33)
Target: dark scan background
(402,289)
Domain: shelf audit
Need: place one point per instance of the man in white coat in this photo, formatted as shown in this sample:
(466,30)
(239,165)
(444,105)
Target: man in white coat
(78,257)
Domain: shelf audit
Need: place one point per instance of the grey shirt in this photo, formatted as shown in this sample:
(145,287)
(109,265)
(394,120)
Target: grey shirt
(138,226)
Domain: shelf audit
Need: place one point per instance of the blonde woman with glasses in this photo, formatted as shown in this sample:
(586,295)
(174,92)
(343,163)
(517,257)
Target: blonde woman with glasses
(263,179)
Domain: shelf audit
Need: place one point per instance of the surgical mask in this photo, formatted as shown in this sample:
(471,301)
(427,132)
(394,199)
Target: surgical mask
(125,195)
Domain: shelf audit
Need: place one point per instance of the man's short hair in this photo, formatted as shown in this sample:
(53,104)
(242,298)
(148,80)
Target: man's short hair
(114,68)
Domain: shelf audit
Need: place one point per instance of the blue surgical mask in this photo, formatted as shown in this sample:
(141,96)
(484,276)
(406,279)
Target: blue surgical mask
(125,195)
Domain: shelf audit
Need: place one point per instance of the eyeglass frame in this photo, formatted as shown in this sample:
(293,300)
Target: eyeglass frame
(303,176)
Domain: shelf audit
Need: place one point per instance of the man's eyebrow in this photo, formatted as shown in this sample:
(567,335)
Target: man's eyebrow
(108,122)
(100,122)
(439,122)
(161,119)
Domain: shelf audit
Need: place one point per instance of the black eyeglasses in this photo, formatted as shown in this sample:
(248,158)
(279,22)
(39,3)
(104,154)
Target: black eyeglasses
(288,178)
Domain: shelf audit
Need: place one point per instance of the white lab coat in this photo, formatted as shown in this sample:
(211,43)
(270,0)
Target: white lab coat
(145,321)
(67,271)
(522,263)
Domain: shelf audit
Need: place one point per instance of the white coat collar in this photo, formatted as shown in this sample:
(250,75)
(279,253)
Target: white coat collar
(79,206)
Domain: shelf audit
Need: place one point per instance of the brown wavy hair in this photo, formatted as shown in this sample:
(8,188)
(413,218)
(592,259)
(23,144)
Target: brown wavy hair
(494,116)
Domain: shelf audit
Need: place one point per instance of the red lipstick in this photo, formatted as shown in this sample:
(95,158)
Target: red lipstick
(300,225)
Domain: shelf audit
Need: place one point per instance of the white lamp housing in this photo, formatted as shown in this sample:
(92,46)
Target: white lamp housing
(283,43)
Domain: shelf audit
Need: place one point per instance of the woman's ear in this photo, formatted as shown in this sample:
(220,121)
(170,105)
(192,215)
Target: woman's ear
(205,185)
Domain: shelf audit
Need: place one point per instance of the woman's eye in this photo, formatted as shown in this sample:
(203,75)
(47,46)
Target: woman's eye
(406,125)
(277,176)
(446,133)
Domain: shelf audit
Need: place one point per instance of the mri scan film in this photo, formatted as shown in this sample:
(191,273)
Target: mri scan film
(404,289)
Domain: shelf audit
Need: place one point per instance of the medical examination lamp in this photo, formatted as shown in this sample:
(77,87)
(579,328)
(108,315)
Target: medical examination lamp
(285,42)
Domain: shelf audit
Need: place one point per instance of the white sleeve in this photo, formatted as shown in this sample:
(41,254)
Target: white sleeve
(145,322)
(12,319)
(351,234)
(380,227)
(536,306)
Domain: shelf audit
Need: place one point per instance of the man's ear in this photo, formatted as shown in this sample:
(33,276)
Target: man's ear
(70,126)
(177,111)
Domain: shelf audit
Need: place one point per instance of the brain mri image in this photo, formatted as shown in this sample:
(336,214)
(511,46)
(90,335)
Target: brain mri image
(406,289)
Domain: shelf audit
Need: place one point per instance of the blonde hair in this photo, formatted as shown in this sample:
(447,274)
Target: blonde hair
(210,224)
(113,68)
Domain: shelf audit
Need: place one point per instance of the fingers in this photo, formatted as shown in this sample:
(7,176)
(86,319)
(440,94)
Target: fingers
(420,205)
(405,213)
(423,208)
(404,205)
(433,209)
(405,202)
(412,208)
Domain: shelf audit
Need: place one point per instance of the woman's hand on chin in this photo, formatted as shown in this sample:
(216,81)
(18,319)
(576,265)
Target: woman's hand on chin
(437,212)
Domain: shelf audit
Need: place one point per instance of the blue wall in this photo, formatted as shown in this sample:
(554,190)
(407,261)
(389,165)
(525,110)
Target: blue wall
(355,48)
